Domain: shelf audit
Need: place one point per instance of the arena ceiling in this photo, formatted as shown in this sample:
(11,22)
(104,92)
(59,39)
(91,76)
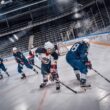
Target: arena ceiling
(17,15)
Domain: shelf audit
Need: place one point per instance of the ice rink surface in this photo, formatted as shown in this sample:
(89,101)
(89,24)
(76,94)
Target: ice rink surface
(17,94)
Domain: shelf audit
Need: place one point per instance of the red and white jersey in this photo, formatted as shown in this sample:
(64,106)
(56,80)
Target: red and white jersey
(45,57)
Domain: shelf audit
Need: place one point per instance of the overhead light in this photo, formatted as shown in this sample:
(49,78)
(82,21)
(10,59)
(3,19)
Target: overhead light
(12,40)
(77,15)
(76,9)
(15,36)
(3,2)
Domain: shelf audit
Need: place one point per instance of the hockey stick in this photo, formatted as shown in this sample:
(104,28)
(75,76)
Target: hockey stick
(61,82)
(67,86)
(101,75)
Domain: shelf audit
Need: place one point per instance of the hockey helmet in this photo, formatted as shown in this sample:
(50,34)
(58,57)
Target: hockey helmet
(48,45)
(14,49)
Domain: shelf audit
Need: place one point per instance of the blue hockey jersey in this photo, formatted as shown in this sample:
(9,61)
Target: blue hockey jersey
(1,61)
(19,57)
(79,51)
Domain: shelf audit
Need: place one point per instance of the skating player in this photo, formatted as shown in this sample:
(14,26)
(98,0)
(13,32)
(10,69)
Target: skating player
(77,57)
(3,68)
(21,60)
(48,57)
(31,57)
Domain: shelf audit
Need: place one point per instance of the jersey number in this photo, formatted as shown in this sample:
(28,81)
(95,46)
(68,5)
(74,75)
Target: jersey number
(74,47)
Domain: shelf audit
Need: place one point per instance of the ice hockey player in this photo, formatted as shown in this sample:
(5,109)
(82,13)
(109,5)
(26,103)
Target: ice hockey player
(77,57)
(3,68)
(48,57)
(56,49)
(31,57)
(21,60)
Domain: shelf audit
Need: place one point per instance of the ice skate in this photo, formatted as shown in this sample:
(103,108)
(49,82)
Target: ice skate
(42,85)
(35,71)
(1,77)
(78,77)
(23,76)
(57,86)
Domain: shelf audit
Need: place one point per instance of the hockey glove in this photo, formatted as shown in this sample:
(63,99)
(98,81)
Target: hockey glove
(88,64)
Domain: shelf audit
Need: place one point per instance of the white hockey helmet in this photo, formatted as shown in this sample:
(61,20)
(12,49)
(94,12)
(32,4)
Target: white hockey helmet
(86,40)
(48,45)
(14,49)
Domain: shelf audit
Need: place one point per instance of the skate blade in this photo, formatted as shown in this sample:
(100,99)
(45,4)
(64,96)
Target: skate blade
(47,86)
(86,87)
(80,89)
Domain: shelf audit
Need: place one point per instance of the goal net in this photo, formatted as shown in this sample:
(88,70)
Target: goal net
(62,48)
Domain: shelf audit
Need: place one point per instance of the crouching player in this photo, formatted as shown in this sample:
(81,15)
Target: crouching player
(21,60)
(77,57)
(48,57)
